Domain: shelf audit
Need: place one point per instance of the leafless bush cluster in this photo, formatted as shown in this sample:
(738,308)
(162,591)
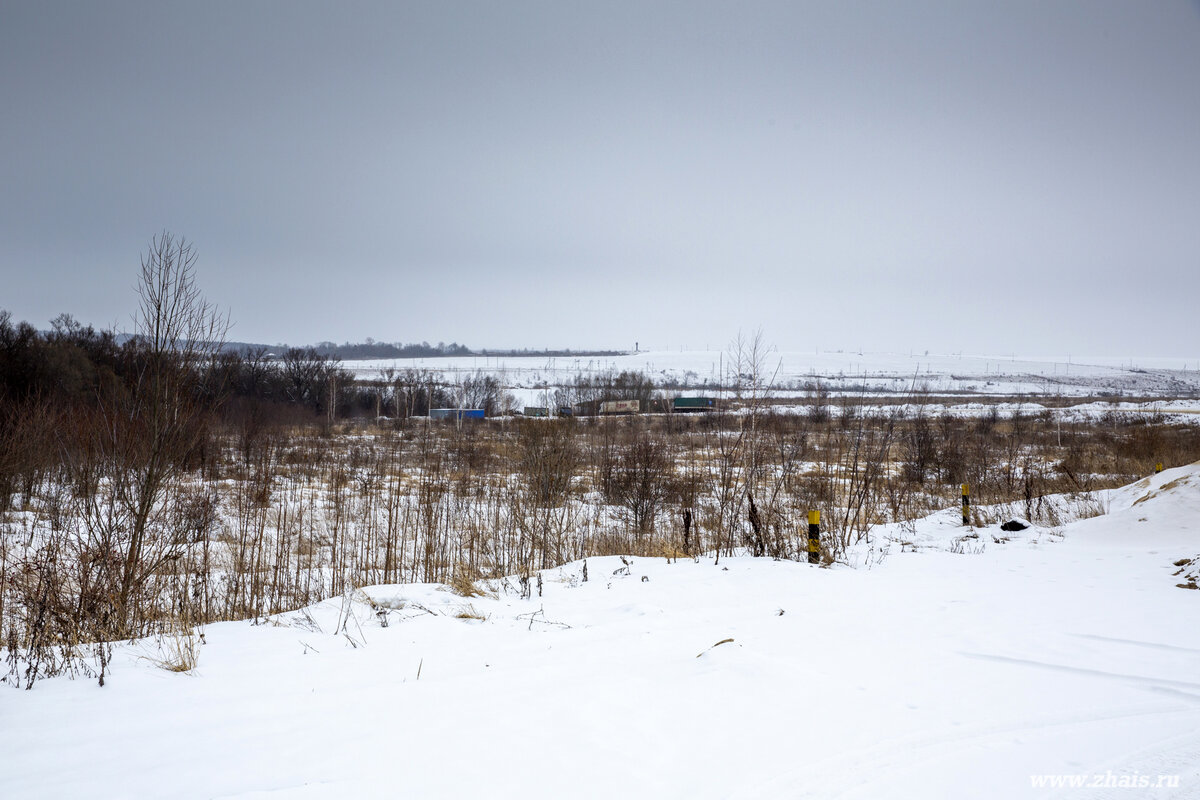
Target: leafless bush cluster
(94,554)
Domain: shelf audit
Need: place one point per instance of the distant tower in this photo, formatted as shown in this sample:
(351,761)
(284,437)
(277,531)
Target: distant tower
(635,347)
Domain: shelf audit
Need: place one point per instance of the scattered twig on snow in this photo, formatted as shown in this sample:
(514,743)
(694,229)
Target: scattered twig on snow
(718,644)
(533,618)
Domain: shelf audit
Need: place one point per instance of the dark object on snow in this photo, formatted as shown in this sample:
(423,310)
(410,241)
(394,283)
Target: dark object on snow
(694,404)
(1013,525)
(756,541)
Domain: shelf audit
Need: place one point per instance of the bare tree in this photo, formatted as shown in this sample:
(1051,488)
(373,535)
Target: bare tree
(740,458)
(548,458)
(178,335)
(641,480)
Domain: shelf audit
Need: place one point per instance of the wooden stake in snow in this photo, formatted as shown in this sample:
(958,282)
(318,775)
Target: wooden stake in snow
(814,537)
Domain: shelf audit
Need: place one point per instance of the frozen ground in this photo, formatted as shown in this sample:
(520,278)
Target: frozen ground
(1071,376)
(533,379)
(940,666)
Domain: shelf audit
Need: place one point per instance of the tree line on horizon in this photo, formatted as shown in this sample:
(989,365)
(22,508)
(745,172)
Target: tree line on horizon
(372,350)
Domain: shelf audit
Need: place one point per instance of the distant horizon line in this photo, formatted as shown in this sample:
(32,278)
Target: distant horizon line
(423,349)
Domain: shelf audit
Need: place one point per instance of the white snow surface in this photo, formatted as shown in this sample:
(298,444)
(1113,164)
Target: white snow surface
(534,377)
(931,669)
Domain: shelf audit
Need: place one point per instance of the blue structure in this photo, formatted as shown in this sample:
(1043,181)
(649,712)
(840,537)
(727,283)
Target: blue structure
(456,413)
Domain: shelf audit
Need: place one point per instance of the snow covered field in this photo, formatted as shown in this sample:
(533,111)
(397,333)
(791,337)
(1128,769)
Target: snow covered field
(947,663)
(1070,376)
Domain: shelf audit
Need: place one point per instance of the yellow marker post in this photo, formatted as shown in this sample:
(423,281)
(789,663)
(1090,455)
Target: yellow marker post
(1158,468)
(814,537)
(966,503)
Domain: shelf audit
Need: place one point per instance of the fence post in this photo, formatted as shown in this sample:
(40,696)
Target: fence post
(966,500)
(814,537)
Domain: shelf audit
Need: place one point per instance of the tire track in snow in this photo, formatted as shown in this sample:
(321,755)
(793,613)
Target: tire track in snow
(1141,680)
(1137,643)
(907,753)
(1172,755)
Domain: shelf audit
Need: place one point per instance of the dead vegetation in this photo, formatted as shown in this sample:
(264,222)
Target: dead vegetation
(303,513)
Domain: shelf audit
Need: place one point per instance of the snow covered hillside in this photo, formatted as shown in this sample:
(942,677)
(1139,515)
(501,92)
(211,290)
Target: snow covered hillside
(949,662)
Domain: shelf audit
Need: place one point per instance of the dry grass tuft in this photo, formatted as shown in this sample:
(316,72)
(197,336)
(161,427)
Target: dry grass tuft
(178,650)
(668,551)
(462,582)
(470,612)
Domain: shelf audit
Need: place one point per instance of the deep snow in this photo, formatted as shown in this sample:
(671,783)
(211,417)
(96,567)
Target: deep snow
(921,672)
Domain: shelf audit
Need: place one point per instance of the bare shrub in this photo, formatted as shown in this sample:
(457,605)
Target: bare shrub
(640,481)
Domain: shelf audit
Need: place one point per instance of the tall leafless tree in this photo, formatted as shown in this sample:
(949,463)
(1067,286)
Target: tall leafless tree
(178,335)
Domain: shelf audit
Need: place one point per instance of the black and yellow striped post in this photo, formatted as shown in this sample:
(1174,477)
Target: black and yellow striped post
(814,537)
(1158,468)
(966,495)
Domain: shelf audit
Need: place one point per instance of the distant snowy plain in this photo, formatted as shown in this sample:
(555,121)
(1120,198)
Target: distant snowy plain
(533,378)
(946,662)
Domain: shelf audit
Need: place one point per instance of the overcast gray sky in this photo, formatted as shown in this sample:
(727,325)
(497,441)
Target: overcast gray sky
(988,177)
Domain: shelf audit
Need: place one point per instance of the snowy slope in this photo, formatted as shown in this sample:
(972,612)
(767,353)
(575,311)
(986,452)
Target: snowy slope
(932,673)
